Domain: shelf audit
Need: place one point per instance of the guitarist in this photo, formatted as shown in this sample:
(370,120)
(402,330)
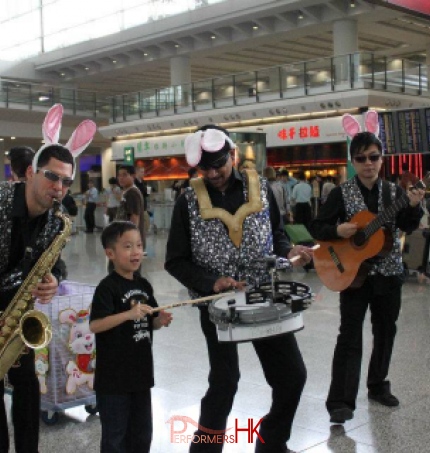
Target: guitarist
(381,290)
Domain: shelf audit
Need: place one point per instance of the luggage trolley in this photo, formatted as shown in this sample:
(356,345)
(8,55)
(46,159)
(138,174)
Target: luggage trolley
(65,368)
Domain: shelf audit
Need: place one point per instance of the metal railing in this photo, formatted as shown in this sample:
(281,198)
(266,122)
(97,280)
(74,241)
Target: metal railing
(308,78)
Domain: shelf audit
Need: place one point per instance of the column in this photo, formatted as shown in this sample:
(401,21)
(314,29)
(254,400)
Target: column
(428,67)
(180,78)
(2,161)
(345,41)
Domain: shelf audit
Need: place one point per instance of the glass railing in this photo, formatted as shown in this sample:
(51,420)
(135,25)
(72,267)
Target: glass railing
(308,78)
(16,94)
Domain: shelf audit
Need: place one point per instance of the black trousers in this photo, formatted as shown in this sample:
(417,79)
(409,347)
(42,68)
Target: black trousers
(284,371)
(303,214)
(383,296)
(89,215)
(126,422)
(25,407)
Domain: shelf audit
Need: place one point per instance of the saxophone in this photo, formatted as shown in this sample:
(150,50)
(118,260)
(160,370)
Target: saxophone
(20,324)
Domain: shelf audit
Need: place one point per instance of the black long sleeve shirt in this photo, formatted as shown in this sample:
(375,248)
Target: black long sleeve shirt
(179,256)
(332,212)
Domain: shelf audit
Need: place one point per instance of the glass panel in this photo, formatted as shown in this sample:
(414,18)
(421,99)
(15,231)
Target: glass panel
(203,94)
(223,87)
(245,85)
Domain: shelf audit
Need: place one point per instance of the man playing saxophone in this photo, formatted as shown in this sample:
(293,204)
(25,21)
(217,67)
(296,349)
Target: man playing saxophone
(27,228)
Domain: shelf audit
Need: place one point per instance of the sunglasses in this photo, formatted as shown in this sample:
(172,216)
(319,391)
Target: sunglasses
(216,165)
(373,158)
(53,177)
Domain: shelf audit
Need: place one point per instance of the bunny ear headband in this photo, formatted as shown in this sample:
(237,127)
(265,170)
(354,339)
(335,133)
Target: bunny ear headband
(80,139)
(210,141)
(352,127)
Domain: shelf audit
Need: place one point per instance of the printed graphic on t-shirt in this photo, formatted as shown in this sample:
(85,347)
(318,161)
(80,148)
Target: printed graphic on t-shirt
(140,326)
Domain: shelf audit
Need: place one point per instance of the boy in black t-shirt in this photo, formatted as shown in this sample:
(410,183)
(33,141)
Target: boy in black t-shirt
(120,318)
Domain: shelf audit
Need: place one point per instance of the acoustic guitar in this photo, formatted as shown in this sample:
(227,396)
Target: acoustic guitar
(341,263)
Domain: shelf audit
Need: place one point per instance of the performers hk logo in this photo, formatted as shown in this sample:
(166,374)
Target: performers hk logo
(179,426)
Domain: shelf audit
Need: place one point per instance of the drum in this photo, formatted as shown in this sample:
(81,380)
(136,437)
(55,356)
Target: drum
(255,314)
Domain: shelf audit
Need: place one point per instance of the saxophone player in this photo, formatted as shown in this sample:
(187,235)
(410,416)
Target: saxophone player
(27,228)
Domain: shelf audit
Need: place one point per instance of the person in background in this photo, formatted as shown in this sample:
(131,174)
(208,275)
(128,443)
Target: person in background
(121,317)
(91,198)
(301,196)
(278,191)
(202,256)
(407,178)
(144,190)
(114,194)
(327,187)
(288,181)
(20,159)
(131,206)
(381,290)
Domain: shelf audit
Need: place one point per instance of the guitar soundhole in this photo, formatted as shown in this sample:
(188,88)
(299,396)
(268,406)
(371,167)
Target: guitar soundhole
(359,239)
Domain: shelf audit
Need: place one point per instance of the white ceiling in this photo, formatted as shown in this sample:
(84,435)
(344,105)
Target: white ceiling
(281,38)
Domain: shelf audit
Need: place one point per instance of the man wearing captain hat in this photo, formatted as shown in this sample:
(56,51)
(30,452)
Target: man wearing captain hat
(208,253)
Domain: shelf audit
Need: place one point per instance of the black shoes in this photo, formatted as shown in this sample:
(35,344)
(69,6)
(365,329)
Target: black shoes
(341,415)
(386,399)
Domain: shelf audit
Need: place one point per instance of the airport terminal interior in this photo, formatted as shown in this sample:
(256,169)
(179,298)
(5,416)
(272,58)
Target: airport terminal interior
(181,368)
(279,75)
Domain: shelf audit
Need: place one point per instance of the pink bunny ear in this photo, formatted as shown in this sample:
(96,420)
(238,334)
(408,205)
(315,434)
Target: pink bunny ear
(371,122)
(350,125)
(81,137)
(52,124)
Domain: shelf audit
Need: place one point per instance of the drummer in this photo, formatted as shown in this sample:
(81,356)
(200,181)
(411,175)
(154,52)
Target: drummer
(210,251)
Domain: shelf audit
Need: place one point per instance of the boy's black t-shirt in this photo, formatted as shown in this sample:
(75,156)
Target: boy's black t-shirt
(124,354)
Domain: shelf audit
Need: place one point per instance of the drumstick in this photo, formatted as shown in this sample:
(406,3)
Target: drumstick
(297,257)
(193,301)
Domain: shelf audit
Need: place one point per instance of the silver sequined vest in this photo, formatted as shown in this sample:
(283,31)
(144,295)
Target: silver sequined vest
(14,278)
(354,202)
(213,250)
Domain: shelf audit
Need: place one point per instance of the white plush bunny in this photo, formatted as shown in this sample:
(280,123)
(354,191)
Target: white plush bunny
(80,139)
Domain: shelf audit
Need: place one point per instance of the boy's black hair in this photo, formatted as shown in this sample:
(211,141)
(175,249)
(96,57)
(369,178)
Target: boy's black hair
(58,152)
(20,158)
(362,141)
(114,231)
(128,168)
(113,180)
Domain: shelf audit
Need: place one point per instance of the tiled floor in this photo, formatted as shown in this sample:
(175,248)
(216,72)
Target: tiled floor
(181,368)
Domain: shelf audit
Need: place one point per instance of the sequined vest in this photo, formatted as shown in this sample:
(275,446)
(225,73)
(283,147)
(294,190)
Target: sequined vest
(354,202)
(14,278)
(213,250)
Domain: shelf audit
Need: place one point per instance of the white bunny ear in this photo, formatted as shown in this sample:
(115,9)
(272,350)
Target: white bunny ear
(213,140)
(350,125)
(52,124)
(193,148)
(81,137)
(371,122)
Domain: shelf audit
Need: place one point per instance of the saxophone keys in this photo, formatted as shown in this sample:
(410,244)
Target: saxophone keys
(10,322)
(6,330)
(21,305)
(16,314)
(2,341)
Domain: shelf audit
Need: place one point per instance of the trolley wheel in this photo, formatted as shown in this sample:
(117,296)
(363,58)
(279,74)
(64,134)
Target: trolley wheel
(49,418)
(91,409)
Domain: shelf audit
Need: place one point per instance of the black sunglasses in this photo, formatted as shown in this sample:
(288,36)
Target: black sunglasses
(53,177)
(216,165)
(373,158)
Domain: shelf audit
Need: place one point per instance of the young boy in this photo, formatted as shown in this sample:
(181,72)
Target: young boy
(121,319)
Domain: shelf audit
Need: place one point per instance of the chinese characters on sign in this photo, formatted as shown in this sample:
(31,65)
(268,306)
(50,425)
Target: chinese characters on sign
(129,155)
(301,132)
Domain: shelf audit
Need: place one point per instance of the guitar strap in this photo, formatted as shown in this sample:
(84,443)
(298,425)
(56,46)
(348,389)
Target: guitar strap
(386,194)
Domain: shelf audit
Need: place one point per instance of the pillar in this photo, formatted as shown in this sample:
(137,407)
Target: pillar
(345,42)
(180,78)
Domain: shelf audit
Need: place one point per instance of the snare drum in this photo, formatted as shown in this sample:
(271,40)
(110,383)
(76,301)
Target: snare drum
(252,315)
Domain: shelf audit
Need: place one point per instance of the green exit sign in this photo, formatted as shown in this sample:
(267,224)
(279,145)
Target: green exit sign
(129,155)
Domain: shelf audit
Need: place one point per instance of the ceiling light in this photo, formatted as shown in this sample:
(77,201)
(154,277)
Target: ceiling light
(114,61)
(62,74)
(255,27)
(12,138)
(1,139)
(300,16)
(176,45)
(213,37)
(87,68)
(145,54)
(352,4)
(43,98)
